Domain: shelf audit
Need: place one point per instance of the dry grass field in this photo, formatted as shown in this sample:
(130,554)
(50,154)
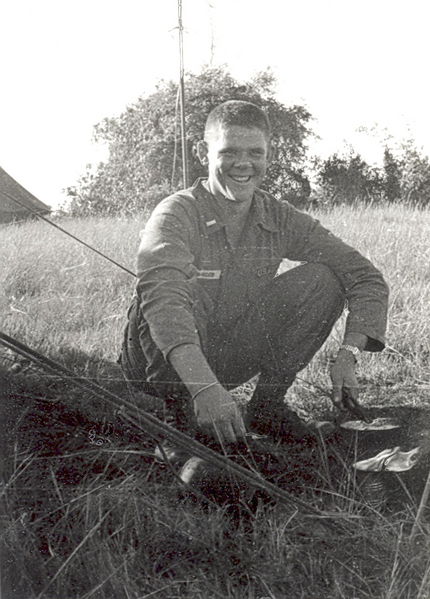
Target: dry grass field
(87,512)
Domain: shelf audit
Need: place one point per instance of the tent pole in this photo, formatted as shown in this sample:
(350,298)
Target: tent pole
(182,96)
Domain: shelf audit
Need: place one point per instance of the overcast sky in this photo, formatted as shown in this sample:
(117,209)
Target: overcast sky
(67,65)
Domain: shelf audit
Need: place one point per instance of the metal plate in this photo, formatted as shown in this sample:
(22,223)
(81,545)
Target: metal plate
(378,424)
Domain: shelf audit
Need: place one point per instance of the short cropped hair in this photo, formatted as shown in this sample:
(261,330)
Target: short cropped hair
(240,114)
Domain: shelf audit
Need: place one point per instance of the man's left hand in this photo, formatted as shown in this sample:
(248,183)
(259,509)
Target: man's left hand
(344,381)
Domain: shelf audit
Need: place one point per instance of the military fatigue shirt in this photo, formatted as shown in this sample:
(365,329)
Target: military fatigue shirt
(186,264)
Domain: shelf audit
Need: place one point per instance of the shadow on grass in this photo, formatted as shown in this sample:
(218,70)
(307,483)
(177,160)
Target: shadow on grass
(88,512)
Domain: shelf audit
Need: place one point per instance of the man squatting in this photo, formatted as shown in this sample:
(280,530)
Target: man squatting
(210,312)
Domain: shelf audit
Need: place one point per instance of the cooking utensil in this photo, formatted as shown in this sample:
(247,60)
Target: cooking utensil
(377,424)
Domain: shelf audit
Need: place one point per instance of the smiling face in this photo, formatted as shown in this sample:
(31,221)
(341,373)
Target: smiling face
(238,158)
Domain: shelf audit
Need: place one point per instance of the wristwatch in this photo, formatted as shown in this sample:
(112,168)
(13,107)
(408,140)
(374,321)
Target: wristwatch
(354,350)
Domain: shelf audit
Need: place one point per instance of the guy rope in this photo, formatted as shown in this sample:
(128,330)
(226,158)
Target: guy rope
(146,422)
(35,213)
(160,431)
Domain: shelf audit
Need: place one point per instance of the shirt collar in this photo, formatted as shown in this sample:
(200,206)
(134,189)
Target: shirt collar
(214,220)
(262,216)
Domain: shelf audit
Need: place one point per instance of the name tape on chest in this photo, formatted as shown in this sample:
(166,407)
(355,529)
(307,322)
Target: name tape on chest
(208,274)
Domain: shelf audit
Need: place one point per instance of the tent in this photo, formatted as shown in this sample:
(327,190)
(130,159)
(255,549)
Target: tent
(10,210)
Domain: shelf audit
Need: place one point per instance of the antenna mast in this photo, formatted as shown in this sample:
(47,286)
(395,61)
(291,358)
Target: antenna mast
(182,96)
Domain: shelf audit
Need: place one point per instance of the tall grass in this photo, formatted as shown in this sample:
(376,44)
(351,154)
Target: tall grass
(58,294)
(86,519)
(395,238)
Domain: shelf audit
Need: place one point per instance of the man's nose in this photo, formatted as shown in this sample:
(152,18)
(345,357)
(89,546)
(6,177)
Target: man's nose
(243,160)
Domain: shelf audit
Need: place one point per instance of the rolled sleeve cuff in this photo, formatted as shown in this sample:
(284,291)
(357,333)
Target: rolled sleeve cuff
(375,339)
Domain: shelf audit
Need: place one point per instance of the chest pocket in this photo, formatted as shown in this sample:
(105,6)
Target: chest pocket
(261,275)
(267,270)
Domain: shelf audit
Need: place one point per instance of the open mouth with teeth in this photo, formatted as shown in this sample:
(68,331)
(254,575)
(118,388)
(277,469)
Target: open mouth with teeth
(240,178)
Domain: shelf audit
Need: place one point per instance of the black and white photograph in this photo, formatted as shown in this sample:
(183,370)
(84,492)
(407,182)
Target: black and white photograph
(215,300)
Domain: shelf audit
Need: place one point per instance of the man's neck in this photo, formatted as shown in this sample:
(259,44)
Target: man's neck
(236,214)
(232,209)
(235,211)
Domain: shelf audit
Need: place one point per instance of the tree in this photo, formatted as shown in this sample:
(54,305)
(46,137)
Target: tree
(406,172)
(392,176)
(415,175)
(144,163)
(347,179)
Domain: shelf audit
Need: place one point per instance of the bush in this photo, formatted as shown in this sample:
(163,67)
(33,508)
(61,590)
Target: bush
(348,179)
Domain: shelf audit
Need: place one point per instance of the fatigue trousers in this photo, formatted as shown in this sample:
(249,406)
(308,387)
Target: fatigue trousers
(275,338)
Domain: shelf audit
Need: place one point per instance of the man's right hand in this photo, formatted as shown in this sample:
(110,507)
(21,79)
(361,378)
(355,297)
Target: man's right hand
(218,415)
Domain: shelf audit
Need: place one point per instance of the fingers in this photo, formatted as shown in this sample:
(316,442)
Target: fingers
(227,427)
(225,432)
(345,396)
(336,397)
(350,394)
(240,428)
(230,427)
(218,415)
(345,390)
(350,401)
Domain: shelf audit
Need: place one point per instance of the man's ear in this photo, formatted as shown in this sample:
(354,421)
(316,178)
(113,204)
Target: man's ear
(271,153)
(202,152)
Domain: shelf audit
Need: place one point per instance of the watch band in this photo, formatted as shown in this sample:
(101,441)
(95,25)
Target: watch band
(354,350)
